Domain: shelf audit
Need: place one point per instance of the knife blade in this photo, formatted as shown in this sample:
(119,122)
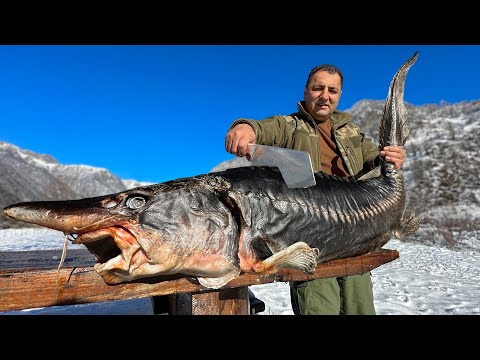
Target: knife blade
(294,165)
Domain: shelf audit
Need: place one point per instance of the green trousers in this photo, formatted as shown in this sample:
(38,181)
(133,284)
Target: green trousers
(349,295)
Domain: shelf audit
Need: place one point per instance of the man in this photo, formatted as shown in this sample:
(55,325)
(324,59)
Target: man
(336,146)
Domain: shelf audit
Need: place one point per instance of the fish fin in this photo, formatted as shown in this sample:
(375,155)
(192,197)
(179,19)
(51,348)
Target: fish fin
(297,256)
(376,172)
(408,226)
(217,282)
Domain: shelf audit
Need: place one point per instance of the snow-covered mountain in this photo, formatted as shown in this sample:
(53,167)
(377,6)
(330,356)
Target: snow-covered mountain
(28,176)
(441,171)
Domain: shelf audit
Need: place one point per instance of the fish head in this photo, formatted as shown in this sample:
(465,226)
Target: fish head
(100,223)
(161,229)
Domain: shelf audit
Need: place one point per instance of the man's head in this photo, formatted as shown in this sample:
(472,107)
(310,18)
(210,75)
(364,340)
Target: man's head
(322,91)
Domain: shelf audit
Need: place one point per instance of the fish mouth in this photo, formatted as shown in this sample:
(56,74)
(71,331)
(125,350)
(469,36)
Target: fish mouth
(113,246)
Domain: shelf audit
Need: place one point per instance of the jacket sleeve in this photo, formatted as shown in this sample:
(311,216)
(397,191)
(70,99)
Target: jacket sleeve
(269,131)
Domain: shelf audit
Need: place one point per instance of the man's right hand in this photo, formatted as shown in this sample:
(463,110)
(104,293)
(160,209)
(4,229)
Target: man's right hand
(238,138)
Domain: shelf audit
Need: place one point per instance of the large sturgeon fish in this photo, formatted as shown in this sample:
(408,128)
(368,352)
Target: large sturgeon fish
(215,226)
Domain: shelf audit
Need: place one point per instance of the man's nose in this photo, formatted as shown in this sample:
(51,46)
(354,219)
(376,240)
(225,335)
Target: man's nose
(324,94)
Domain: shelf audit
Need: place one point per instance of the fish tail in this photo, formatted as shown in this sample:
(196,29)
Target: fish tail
(393,127)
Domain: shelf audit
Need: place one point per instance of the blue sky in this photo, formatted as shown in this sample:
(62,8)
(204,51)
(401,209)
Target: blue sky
(160,112)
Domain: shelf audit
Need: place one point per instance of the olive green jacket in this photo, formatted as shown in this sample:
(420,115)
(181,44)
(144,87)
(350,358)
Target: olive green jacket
(298,131)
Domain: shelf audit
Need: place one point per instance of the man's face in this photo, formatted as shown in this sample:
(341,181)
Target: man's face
(322,95)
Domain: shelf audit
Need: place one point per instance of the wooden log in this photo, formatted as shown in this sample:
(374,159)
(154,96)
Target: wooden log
(33,287)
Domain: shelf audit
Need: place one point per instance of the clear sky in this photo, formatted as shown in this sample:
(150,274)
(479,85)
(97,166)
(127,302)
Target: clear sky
(160,112)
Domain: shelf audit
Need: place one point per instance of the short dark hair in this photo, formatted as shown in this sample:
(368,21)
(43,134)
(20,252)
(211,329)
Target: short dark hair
(331,69)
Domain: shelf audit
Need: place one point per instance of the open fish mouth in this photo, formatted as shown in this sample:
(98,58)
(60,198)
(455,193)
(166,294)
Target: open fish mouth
(103,243)
(115,248)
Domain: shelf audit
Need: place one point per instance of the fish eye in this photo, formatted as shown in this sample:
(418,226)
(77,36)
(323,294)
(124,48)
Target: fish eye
(135,202)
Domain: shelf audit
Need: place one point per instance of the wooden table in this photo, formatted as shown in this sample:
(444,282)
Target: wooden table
(28,279)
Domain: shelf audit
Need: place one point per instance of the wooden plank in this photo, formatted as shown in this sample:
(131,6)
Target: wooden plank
(31,288)
(45,259)
(233,301)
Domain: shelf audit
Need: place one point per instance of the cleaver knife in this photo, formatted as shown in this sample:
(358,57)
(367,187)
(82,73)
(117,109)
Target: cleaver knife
(294,165)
